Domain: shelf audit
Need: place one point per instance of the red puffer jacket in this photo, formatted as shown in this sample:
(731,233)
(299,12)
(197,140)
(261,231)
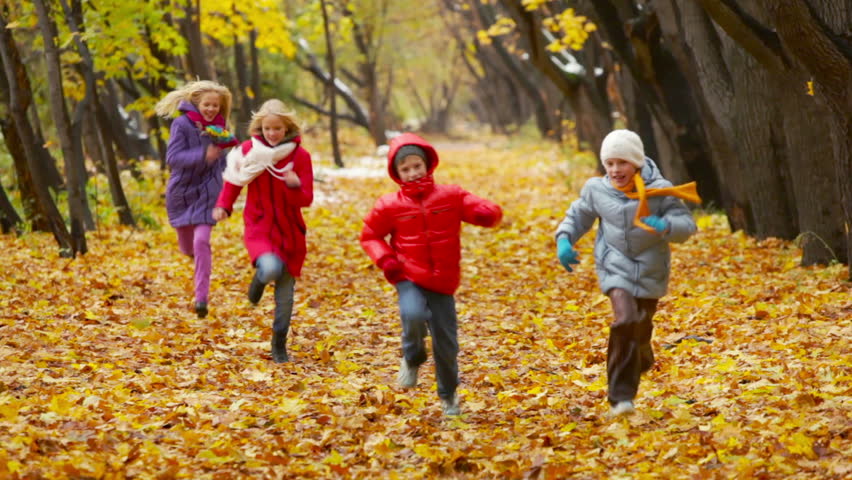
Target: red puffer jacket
(424,227)
(272,215)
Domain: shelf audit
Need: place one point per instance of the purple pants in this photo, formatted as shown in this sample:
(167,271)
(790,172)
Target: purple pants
(194,240)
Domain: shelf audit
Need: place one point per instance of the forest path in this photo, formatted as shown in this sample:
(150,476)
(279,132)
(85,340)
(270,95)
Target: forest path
(106,370)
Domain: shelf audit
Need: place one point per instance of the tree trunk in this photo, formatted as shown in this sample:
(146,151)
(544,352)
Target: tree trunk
(9,218)
(195,58)
(588,105)
(36,218)
(254,54)
(106,116)
(116,190)
(816,35)
(697,46)
(335,143)
(45,207)
(793,36)
(74,174)
(242,98)
(544,119)
(358,115)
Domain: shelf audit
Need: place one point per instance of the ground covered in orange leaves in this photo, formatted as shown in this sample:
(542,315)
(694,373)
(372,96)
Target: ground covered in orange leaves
(105,371)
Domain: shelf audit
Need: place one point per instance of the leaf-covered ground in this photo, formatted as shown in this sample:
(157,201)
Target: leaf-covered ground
(105,371)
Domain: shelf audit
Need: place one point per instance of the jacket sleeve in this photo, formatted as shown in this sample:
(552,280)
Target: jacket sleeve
(579,218)
(302,196)
(681,223)
(228,195)
(479,211)
(377,226)
(179,153)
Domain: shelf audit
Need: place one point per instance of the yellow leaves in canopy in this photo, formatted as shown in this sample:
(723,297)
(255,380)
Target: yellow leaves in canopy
(227,20)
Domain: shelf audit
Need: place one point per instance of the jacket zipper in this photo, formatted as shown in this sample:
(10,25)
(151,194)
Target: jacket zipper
(424,214)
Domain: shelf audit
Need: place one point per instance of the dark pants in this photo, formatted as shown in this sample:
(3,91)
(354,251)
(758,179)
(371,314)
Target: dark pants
(419,308)
(629,351)
(270,268)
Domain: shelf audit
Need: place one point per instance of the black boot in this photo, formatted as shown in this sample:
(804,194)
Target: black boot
(201,309)
(279,347)
(255,290)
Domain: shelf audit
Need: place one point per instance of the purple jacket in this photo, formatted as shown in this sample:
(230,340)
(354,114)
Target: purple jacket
(193,184)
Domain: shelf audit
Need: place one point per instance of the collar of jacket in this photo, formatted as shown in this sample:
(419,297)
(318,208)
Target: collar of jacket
(419,187)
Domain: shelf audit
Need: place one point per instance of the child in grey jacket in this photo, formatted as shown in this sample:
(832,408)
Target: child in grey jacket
(639,213)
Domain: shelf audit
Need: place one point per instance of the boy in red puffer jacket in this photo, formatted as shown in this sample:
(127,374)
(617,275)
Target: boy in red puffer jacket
(422,258)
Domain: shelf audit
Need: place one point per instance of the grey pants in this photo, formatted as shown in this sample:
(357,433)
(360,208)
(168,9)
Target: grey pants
(629,352)
(420,308)
(270,268)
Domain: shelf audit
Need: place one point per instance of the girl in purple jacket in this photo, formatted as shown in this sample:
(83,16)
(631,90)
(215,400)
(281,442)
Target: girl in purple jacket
(196,160)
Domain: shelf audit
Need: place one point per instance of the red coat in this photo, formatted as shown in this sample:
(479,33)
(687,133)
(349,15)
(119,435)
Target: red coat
(424,228)
(272,215)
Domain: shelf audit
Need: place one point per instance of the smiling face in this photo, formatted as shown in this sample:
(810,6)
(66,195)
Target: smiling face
(209,105)
(274,129)
(411,168)
(620,171)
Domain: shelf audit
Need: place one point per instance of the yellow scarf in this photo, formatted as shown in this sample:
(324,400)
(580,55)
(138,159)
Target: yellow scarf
(686,191)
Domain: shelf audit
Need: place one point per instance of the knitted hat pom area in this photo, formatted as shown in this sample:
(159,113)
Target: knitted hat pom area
(623,144)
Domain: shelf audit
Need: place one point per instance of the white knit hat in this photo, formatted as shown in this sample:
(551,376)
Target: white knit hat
(623,144)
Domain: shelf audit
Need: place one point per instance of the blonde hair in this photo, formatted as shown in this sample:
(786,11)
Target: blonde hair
(273,107)
(192,92)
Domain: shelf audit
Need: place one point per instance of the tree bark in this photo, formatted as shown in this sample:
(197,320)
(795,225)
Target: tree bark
(190,26)
(588,105)
(697,46)
(800,39)
(329,47)
(71,148)
(46,208)
(544,119)
(9,218)
(817,35)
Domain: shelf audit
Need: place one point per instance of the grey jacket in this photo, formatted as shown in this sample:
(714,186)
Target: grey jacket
(627,256)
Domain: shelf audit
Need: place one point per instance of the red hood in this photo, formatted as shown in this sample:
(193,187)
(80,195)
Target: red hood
(410,139)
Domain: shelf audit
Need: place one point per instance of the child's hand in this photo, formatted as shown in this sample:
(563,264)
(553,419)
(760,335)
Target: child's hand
(485,216)
(657,223)
(213,153)
(291,179)
(392,269)
(219,214)
(566,253)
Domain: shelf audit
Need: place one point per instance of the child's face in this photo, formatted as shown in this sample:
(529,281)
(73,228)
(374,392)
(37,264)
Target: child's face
(620,171)
(411,168)
(274,129)
(209,105)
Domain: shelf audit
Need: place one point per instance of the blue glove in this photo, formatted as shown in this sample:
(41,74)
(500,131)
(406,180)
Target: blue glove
(657,223)
(567,255)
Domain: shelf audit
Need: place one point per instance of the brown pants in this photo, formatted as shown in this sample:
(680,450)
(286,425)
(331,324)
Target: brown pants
(629,351)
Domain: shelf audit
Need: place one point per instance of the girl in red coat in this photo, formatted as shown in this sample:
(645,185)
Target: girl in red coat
(422,257)
(280,181)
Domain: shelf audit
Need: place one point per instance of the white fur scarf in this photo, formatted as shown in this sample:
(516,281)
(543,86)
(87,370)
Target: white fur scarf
(242,169)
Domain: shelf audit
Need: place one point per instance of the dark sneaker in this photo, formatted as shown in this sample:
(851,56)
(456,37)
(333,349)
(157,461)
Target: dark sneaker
(407,376)
(255,290)
(451,406)
(624,407)
(279,347)
(201,309)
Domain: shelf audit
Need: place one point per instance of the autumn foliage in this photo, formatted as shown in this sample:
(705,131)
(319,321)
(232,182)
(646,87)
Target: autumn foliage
(105,371)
